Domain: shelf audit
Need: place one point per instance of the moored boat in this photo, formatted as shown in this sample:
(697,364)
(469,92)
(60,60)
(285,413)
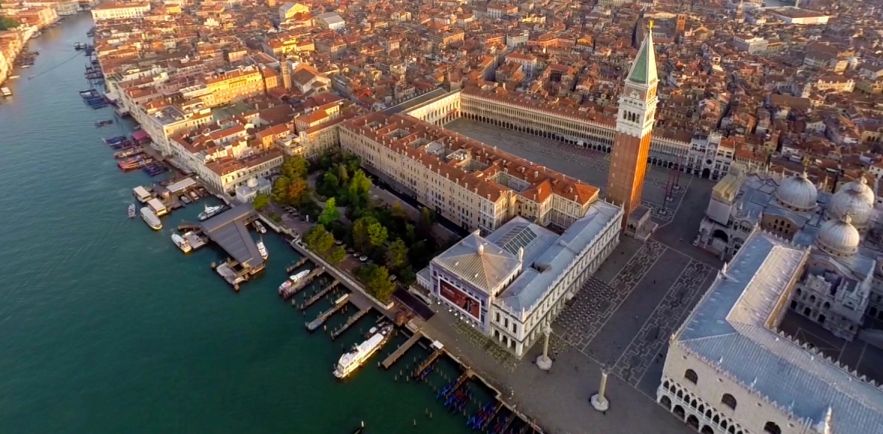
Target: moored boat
(181,243)
(289,283)
(150,218)
(260,227)
(210,211)
(5,91)
(131,210)
(128,152)
(351,360)
(263,249)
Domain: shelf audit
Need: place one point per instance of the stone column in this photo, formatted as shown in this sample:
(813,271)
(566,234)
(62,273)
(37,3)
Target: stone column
(599,401)
(543,361)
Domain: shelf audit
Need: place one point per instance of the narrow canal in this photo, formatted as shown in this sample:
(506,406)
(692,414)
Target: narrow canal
(107,328)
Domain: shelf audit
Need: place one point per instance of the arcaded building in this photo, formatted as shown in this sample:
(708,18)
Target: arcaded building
(511,284)
(728,369)
(474,185)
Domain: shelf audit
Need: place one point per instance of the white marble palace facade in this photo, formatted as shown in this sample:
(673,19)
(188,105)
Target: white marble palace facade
(728,369)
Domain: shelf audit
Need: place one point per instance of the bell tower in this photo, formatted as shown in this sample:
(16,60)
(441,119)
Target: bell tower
(634,124)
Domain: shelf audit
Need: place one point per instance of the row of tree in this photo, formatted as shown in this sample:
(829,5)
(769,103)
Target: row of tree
(322,242)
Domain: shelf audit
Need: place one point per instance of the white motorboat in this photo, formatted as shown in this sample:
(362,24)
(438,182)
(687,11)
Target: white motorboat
(210,211)
(5,91)
(351,360)
(150,218)
(289,283)
(131,210)
(260,227)
(181,243)
(263,249)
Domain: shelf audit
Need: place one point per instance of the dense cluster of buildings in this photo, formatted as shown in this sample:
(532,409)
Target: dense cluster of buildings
(779,104)
(25,20)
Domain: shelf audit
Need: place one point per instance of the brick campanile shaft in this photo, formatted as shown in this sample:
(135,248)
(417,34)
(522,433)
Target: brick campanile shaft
(634,125)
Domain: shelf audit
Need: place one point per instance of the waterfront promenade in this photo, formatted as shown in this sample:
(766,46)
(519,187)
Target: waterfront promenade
(108,328)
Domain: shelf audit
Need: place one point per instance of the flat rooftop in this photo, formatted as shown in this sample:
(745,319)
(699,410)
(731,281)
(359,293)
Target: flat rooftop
(228,231)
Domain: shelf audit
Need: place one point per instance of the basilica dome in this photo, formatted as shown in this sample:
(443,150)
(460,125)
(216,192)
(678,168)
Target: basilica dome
(797,193)
(839,237)
(855,199)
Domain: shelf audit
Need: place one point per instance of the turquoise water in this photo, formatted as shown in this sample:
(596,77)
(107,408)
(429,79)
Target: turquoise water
(106,328)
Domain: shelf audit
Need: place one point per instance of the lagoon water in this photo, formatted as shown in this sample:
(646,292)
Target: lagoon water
(105,327)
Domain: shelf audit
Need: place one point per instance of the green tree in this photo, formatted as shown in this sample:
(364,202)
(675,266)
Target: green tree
(376,280)
(280,190)
(336,255)
(294,167)
(261,200)
(297,191)
(342,174)
(396,255)
(360,232)
(359,189)
(330,213)
(7,23)
(425,222)
(329,185)
(319,240)
(377,234)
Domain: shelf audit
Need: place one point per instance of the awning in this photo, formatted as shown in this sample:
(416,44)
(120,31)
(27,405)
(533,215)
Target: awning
(140,136)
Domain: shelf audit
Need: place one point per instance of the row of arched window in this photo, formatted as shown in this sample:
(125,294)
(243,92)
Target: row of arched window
(726,399)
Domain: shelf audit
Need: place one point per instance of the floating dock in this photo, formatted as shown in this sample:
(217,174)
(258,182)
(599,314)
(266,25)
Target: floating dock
(349,322)
(296,265)
(228,272)
(316,323)
(318,296)
(228,230)
(400,351)
(194,240)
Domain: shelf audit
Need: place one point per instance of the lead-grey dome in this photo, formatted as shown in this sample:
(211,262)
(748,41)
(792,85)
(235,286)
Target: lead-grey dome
(839,237)
(855,199)
(798,193)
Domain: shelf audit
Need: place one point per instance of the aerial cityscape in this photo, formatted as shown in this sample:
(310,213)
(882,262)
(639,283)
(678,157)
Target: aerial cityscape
(441,216)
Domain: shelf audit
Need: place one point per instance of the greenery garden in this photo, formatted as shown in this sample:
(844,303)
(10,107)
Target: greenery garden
(336,194)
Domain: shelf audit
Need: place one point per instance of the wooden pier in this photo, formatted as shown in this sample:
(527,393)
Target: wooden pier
(318,296)
(349,322)
(487,422)
(460,380)
(400,351)
(297,264)
(188,227)
(227,270)
(316,323)
(427,363)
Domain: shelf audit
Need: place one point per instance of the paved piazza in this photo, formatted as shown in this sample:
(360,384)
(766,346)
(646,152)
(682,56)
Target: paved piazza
(588,165)
(620,320)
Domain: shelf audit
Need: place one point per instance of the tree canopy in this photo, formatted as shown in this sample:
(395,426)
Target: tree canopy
(7,23)
(376,281)
(330,213)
